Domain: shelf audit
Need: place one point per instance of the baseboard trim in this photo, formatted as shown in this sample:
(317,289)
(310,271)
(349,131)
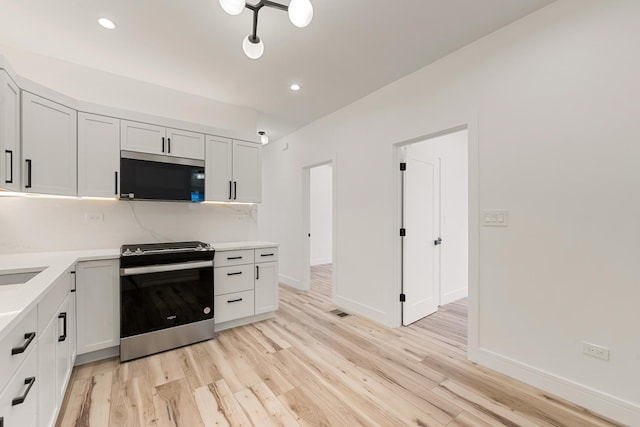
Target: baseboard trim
(244,321)
(94,356)
(290,281)
(454,296)
(353,307)
(594,400)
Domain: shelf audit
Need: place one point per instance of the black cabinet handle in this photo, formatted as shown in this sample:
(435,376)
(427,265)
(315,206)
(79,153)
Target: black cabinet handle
(169,145)
(267,254)
(257,272)
(230,191)
(234,257)
(234,300)
(1,421)
(163,144)
(17,350)
(20,399)
(235,190)
(437,242)
(28,184)
(116,183)
(234,274)
(10,180)
(63,337)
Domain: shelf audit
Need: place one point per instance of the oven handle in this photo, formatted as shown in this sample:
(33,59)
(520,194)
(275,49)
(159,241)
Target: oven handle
(165,267)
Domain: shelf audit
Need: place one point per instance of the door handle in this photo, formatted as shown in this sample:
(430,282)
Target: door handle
(28,184)
(163,144)
(235,190)
(169,145)
(20,399)
(437,242)
(230,190)
(116,186)
(63,337)
(257,272)
(10,180)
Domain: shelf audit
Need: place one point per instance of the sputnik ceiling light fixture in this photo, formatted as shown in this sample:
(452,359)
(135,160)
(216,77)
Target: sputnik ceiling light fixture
(300,14)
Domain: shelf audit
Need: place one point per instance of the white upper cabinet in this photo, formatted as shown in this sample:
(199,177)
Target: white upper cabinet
(48,146)
(142,137)
(98,155)
(233,171)
(182,143)
(247,172)
(9,133)
(152,139)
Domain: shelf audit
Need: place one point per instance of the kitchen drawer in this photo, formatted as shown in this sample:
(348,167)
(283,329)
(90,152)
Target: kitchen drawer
(9,362)
(266,254)
(233,306)
(49,305)
(225,258)
(25,413)
(232,279)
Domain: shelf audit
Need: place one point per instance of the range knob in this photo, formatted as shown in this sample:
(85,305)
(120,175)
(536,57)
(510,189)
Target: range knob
(138,251)
(127,252)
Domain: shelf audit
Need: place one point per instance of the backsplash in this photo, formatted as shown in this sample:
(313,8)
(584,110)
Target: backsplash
(43,224)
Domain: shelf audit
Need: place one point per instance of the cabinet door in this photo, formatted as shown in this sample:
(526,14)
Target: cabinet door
(98,155)
(142,137)
(48,146)
(218,163)
(247,172)
(266,287)
(182,143)
(98,304)
(9,133)
(63,349)
(47,391)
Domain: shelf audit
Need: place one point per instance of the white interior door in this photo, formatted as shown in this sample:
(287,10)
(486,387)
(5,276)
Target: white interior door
(421,256)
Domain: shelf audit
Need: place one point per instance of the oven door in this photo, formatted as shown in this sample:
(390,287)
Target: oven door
(162,296)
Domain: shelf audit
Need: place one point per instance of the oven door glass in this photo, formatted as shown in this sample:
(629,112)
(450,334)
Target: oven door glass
(154,301)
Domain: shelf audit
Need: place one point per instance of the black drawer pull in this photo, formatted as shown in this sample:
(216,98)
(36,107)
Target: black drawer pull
(1,421)
(235,300)
(63,337)
(17,350)
(20,399)
(234,274)
(234,257)
(267,254)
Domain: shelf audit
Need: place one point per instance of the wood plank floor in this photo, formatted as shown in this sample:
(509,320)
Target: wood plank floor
(311,367)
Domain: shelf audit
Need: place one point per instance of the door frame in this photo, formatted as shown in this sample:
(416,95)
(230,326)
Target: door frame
(471,126)
(306,225)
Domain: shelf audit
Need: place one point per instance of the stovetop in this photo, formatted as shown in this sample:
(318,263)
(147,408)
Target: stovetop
(160,248)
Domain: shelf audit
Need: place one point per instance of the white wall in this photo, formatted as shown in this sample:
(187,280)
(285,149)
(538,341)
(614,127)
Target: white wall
(321,214)
(35,224)
(454,210)
(99,87)
(552,107)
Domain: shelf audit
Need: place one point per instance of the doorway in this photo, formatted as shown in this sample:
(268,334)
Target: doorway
(435,245)
(321,227)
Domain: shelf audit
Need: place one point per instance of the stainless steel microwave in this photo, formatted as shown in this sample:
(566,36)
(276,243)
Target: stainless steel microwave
(159,177)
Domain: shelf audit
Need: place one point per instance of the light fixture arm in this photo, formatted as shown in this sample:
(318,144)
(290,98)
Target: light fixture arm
(255,8)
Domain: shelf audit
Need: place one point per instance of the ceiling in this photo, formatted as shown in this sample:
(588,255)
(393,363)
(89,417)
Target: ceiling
(350,49)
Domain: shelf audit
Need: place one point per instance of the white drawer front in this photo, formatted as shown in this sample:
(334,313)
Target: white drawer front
(266,254)
(232,279)
(223,259)
(25,413)
(233,306)
(49,305)
(16,343)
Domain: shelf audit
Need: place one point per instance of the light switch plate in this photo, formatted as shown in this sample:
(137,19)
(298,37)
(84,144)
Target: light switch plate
(495,218)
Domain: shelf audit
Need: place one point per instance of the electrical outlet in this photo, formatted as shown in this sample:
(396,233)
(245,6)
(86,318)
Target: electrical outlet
(93,217)
(595,351)
(495,218)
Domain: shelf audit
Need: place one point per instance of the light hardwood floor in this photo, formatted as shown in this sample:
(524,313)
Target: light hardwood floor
(311,367)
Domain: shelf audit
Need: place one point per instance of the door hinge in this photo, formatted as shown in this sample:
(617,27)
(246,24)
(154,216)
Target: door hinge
(403,298)
(403,166)
(403,232)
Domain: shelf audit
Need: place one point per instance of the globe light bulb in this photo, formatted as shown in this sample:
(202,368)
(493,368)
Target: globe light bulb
(300,12)
(253,50)
(232,7)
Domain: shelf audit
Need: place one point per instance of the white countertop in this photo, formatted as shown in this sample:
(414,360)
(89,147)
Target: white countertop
(17,300)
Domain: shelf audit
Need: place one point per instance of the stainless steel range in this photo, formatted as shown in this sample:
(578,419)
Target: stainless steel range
(166,297)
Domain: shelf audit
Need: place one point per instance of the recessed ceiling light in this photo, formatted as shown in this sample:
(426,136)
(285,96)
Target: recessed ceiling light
(295,87)
(106,23)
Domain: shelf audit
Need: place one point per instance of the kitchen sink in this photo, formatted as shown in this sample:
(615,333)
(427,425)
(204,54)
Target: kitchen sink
(18,278)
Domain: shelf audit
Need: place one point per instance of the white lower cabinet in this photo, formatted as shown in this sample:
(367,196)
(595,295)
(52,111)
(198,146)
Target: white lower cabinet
(19,400)
(55,360)
(244,286)
(98,303)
